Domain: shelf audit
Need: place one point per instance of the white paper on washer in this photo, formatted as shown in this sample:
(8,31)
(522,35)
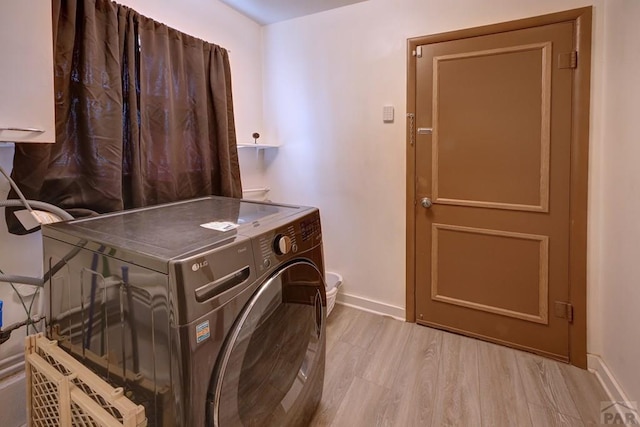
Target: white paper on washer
(220,225)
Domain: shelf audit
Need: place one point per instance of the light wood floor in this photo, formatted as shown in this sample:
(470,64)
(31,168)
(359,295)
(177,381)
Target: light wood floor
(384,372)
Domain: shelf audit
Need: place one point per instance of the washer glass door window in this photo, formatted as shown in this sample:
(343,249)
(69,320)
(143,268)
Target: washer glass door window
(275,353)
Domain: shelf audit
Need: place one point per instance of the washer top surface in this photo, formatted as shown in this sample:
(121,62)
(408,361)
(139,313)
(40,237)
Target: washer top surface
(171,230)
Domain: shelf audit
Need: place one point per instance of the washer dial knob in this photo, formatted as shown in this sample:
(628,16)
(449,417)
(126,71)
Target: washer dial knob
(282,244)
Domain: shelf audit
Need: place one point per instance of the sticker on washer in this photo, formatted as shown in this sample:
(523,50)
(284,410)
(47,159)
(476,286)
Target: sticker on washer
(202,332)
(220,225)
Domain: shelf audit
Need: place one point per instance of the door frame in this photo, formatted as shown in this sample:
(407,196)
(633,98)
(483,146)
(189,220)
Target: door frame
(582,19)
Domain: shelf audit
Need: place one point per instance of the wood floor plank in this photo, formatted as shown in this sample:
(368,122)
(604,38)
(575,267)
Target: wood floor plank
(337,323)
(362,329)
(457,398)
(383,354)
(341,366)
(542,416)
(414,388)
(502,397)
(365,404)
(586,391)
(443,379)
(544,384)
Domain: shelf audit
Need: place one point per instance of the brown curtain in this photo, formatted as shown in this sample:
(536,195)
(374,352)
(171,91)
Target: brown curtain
(144,115)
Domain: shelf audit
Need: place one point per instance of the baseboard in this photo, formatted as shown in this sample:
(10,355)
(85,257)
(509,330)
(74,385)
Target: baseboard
(371,306)
(11,365)
(611,386)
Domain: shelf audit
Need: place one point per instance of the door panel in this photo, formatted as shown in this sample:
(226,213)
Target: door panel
(477,268)
(492,252)
(483,88)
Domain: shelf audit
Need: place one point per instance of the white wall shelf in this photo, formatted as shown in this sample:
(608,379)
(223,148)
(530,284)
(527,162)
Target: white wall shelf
(257,146)
(256,194)
(257,190)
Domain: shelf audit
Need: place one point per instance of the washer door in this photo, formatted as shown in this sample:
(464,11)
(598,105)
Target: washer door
(272,368)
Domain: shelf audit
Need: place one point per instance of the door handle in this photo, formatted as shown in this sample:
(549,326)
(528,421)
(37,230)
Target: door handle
(426,202)
(14,129)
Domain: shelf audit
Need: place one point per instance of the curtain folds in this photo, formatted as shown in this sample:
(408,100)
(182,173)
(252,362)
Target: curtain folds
(144,115)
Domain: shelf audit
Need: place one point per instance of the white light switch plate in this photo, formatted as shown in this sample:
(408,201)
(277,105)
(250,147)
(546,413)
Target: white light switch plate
(387,114)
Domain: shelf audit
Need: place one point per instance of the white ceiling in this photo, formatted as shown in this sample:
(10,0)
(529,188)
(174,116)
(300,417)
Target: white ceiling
(271,11)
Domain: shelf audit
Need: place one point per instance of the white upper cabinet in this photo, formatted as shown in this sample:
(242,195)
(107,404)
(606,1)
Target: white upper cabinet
(26,71)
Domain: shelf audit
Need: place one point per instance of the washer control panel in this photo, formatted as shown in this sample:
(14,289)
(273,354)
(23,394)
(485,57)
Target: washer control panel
(287,241)
(310,228)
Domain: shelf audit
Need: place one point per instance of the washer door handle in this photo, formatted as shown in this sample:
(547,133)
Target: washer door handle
(211,289)
(319,316)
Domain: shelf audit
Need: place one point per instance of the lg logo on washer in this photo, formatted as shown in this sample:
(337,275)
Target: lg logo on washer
(198,265)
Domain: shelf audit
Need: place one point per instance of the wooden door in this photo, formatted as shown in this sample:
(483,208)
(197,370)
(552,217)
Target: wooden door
(493,191)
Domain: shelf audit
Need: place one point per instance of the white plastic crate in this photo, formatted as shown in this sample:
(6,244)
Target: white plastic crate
(334,281)
(63,392)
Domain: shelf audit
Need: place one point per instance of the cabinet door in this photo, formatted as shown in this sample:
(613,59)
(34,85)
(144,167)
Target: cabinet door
(26,71)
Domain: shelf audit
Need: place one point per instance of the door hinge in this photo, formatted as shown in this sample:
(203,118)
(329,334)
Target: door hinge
(568,60)
(564,310)
(418,52)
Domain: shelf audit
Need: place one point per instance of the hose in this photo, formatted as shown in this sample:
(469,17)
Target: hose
(11,278)
(64,215)
(15,187)
(28,204)
(34,281)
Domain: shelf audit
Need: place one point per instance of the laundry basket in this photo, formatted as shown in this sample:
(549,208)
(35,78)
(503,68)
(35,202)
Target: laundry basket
(334,281)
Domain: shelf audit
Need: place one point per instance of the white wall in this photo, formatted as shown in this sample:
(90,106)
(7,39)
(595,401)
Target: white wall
(327,77)
(22,256)
(620,266)
(210,20)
